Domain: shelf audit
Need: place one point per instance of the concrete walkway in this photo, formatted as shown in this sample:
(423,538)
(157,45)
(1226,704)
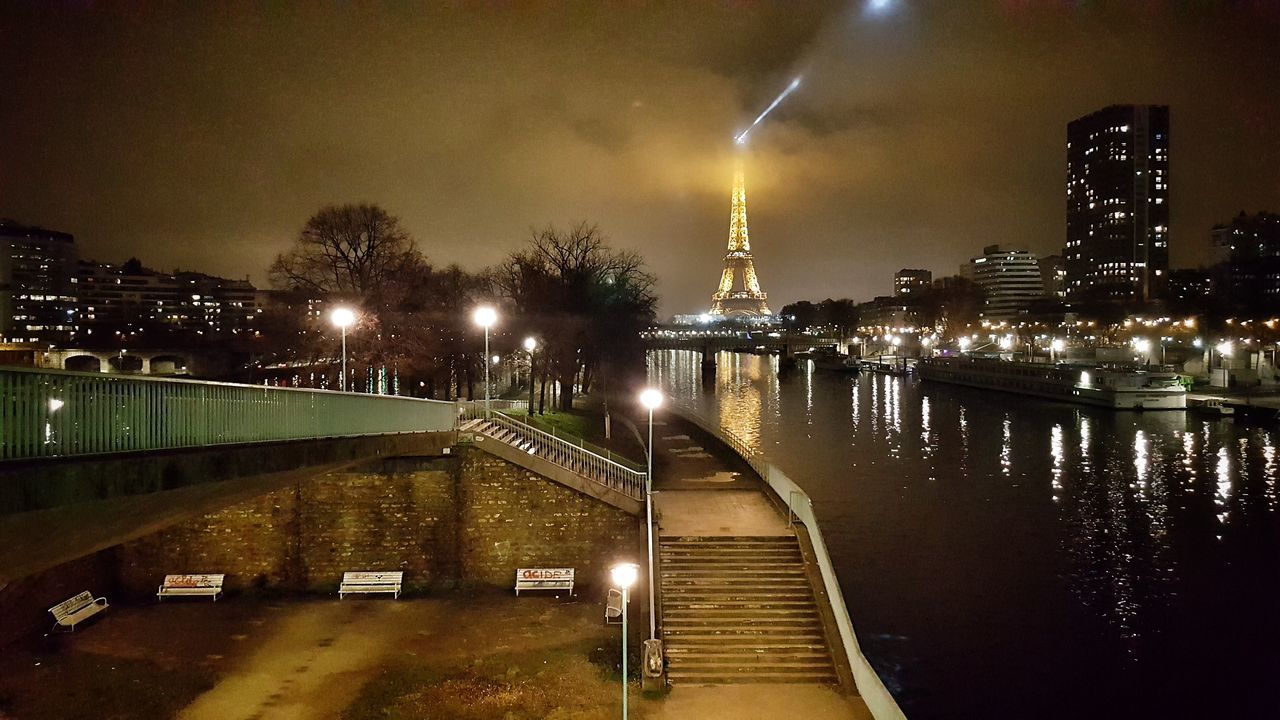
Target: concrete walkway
(703,488)
(759,702)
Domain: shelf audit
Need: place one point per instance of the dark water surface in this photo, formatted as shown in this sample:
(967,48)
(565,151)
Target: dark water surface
(1008,557)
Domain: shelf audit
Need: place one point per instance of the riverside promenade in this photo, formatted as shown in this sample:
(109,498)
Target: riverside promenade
(702,488)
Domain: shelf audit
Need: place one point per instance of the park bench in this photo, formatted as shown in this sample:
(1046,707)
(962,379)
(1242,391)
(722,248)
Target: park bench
(191,585)
(544,579)
(370,582)
(68,613)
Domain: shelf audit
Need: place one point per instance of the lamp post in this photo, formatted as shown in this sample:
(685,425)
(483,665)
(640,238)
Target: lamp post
(485,317)
(530,344)
(624,576)
(343,317)
(651,399)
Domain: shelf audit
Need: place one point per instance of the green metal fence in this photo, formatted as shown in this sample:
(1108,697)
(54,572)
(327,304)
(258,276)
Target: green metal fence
(52,413)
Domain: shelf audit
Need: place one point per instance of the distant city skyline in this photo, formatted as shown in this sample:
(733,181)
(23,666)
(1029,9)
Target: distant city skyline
(202,138)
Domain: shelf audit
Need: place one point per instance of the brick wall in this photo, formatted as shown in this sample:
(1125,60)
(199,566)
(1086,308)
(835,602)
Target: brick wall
(473,519)
(513,518)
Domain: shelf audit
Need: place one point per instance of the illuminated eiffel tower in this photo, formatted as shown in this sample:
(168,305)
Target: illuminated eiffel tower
(739,294)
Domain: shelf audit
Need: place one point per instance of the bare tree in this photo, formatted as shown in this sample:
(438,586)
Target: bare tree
(349,250)
(587,301)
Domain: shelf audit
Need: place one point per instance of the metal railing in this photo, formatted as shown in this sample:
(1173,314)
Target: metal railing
(518,410)
(56,413)
(800,506)
(472,409)
(568,455)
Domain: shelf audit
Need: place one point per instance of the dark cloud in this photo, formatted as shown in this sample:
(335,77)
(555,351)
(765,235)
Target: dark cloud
(203,136)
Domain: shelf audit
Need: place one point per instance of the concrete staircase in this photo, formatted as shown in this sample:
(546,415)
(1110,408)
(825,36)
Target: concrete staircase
(740,610)
(561,459)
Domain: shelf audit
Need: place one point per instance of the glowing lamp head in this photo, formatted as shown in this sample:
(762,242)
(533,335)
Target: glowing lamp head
(485,316)
(55,404)
(342,317)
(651,398)
(624,575)
(1058,345)
(964,344)
(1224,348)
(530,344)
(1142,345)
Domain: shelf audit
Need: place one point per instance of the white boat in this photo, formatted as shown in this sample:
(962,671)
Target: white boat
(1120,388)
(1211,406)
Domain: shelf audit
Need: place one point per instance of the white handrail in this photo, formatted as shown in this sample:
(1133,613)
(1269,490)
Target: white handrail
(572,457)
(876,696)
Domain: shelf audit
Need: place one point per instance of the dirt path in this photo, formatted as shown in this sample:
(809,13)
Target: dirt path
(314,663)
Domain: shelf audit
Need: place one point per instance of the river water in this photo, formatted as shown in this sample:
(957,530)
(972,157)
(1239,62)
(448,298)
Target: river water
(1009,557)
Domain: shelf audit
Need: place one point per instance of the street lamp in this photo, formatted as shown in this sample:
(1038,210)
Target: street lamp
(1224,351)
(1143,347)
(485,317)
(624,576)
(344,318)
(651,399)
(1055,347)
(530,344)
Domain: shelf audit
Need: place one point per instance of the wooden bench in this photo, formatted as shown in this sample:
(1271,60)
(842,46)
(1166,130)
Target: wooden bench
(370,582)
(68,613)
(190,585)
(544,579)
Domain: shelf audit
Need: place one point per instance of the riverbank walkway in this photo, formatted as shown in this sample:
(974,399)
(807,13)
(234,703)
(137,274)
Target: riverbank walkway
(702,489)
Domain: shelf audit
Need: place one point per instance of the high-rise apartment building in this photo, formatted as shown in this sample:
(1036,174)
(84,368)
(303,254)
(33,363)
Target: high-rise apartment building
(37,284)
(909,282)
(1010,281)
(1118,204)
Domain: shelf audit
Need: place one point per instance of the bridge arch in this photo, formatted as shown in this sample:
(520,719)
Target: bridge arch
(168,365)
(125,363)
(82,363)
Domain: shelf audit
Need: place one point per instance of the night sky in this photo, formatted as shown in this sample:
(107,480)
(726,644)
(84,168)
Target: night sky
(204,137)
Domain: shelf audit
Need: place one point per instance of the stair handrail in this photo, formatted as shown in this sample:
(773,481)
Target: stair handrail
(571,456)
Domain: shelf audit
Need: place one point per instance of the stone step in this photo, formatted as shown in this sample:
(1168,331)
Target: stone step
(748,557)
(748,663)
(716,611)
(712,677)
(729,584)
(745,633)
(741,621)
(761,648)
(674,606)
(762,541)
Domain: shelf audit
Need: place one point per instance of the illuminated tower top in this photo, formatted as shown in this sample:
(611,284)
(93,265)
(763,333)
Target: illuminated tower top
(738,238)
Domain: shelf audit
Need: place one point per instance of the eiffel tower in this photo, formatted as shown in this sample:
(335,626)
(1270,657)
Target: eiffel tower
(733,298)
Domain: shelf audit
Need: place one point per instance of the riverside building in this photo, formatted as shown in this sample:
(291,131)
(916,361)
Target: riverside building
(1118,204)
(37,284)
(1010,281)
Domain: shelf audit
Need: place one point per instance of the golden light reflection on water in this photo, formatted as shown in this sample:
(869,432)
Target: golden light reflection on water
(1058,453)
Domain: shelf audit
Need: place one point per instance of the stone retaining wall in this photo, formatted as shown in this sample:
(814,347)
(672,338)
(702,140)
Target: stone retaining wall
(470,519)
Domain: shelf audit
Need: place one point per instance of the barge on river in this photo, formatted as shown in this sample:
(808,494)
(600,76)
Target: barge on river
(1110,387)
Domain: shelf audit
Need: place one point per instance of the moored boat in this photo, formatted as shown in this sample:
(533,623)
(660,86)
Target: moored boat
(1120,388)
